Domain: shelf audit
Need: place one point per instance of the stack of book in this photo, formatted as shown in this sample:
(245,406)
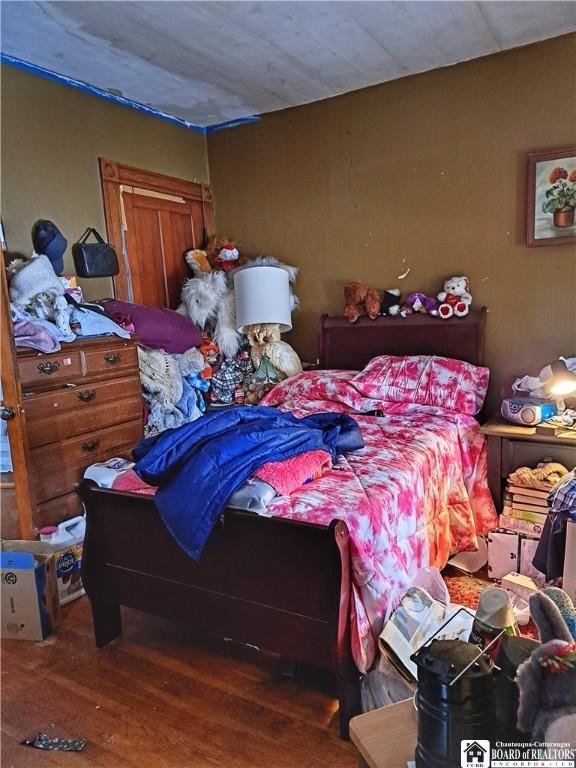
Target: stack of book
(525,510)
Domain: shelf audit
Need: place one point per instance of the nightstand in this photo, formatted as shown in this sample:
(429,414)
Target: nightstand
(386,737)
(511,446)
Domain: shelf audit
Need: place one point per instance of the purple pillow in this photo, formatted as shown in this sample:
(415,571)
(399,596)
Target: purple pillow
(157,327)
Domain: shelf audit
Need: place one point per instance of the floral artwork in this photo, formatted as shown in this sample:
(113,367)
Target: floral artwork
(552,197)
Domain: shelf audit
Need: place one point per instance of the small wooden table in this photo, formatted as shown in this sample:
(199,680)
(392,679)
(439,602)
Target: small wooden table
(386,737)
(511,446)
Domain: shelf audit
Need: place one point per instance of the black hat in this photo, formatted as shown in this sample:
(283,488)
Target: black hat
(47,239)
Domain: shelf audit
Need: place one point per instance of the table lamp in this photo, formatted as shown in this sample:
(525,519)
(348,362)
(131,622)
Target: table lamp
(561,383)
(263,313)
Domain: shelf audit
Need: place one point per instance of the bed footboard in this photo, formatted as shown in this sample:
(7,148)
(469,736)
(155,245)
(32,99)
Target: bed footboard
(281,585)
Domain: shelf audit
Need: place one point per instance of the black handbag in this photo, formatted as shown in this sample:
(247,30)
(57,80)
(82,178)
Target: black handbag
(94,259)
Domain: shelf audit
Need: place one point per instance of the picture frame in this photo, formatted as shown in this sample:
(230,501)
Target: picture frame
(551,197)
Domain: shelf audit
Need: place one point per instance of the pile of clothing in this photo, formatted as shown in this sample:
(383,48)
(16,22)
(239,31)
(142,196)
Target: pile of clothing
(550,553)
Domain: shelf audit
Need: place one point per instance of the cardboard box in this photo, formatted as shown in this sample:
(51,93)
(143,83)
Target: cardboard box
(30,604)
(518,584)
(569,579)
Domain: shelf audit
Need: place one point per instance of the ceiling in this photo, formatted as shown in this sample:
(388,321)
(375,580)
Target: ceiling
(207,63)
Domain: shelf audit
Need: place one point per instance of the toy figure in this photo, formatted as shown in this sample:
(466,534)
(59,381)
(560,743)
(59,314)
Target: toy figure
(361,300)
(455,299)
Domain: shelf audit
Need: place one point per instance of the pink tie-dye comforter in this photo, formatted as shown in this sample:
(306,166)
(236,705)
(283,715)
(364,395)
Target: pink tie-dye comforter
(415,494)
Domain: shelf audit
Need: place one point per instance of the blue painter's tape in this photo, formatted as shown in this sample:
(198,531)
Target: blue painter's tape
(48,74)
(233,123)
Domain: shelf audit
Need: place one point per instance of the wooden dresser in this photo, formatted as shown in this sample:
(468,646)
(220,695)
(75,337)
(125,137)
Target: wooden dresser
(82,404)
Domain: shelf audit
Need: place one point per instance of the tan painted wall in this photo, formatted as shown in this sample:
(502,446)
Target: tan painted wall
(52,137)
(426,173)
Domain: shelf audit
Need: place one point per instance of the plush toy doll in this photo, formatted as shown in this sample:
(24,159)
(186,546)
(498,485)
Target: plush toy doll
(455,299)
(419,302)
(211,355)
(390,302)
(228,257)
(213,248)
(197,262)
(209,302)
(547,680)
(361,300)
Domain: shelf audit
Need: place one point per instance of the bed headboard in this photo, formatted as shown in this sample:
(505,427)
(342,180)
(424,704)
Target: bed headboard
(345,345)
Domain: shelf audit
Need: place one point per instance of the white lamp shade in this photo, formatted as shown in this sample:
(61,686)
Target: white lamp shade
(262,296)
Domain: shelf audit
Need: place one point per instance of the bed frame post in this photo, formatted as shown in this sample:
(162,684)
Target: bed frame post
(345,670)
(105,609)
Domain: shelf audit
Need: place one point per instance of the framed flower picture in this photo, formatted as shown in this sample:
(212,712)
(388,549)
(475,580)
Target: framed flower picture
(550,216)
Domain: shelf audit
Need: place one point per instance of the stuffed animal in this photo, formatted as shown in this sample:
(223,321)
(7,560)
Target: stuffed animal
(213,248)
(211,355)
(390,302)
(265,341)
(361,300)
(209,302)
(547,680)
(455,299)
(419,302)
(197,262)
(565,606)
(228,257)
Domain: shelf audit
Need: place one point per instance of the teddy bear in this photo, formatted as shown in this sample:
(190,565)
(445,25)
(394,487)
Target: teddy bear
(390,302)
(361,300)
(455,299)
(547,680)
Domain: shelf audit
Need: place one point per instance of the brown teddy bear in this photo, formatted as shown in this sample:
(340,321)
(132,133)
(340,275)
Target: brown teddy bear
(361,300)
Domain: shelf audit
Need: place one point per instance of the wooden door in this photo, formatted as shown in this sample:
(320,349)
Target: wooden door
(16,489)
(152,220)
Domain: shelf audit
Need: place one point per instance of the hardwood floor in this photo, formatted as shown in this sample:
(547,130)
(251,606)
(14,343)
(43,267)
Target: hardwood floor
(161,699)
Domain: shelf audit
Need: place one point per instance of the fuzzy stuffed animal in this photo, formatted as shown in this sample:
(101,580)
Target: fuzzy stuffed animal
(419,302)
(197,262)
(209,302)
(265,341)
(361,300)
(455,299)
(390,302)
(547,680)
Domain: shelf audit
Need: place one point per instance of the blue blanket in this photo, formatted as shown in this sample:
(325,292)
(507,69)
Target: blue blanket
(198,466)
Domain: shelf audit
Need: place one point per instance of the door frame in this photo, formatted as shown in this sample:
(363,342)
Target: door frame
(17,435)
(113,177)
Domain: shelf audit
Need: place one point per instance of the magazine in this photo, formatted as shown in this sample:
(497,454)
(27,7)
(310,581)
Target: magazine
(419,617)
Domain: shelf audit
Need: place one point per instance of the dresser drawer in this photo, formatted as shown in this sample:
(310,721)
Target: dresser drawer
(519,453)
(44,370)
(80,397)
(57,467)
(79,421)
(57,510)
(115,359)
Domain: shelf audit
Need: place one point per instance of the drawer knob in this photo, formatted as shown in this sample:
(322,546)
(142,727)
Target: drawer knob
(86,395)
(112,358)
(90,445)
(49,368)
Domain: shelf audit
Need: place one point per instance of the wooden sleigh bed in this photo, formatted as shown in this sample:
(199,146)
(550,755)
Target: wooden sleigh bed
(281,585)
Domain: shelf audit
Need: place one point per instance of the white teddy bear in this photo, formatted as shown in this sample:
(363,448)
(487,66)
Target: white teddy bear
(455,299)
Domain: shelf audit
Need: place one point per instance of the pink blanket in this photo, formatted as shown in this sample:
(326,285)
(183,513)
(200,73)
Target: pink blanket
(413,496)
(286,476)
